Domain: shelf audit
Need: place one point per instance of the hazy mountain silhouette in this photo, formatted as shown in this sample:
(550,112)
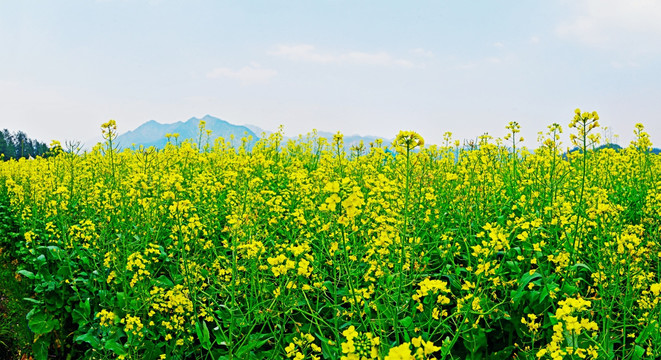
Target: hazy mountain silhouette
(152,133)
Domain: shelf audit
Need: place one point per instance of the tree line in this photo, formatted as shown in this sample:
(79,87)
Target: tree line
(17,145)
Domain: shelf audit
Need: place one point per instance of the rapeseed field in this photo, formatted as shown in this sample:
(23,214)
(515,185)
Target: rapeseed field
(305,250)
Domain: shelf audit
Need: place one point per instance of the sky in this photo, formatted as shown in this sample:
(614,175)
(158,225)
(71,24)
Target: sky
(360,67)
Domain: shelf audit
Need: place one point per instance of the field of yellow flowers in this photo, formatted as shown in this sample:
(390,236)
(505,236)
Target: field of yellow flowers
(305,251)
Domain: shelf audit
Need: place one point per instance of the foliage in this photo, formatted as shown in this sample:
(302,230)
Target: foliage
(18,145)
(211,251)
(14,334)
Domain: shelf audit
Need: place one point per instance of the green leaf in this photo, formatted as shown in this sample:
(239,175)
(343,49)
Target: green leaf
(40,348)
(569,338)
(152,350)
(41,259)
(252,343)
(27,274)
(544,293)
(327,351)
(50,247)
(115,347)
(453,280)
(164,281)
(407,337)
(203,334)
(474,341)
(513,266)
(642,337)
(41,323)
(121,299)
(581,265)
(503,354)
(90,339)
(525,280)
(82,312)
(406,322)
(221,338)
(638,352)
(64,271)
(39,302)
(569,289)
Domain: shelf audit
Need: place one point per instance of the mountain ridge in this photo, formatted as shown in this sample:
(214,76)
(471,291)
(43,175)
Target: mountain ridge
(153,133)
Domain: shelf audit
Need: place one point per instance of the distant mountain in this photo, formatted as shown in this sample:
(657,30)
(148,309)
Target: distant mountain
(354,140)
(152,133)
(257,130)
(615,147)
(349,140)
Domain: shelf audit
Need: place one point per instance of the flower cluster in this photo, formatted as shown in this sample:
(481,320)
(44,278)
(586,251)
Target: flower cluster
(106,318)
(566,338)
(359,345)
(303,347)
(408,140)
(421,350)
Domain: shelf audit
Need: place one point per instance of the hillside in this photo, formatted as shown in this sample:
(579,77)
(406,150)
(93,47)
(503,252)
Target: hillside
(153,133)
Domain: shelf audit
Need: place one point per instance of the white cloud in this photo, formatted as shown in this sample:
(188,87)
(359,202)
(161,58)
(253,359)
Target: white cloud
(615,23)
(247,75)
(308,53)
(498,44)
(534,40)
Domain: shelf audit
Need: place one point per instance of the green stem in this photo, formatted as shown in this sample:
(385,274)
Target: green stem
(403,241)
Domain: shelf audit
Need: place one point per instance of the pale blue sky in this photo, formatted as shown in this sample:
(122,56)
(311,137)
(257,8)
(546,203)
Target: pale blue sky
(367,67)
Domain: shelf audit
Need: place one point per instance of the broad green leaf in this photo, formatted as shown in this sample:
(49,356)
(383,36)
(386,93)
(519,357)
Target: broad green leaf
(40,348)
(406,322)
(164,281)
(121,299)
(527,278)
(638,352)
(569,289)
(42,323)
(475,340)
(90,339)
(523,282)
(81,313)
(115,347)
(27,274)
(642,337)
(219,335)
(255,342)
